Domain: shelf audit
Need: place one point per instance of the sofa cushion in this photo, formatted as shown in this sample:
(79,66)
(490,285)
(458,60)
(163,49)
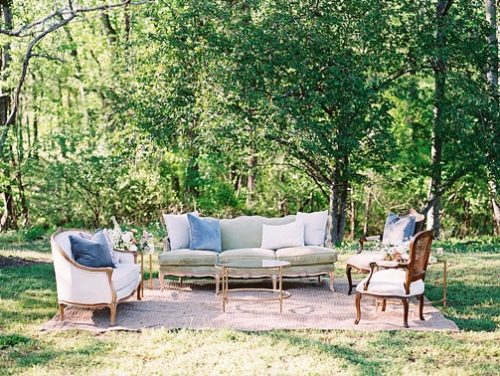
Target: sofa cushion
(390,282)
(204,233)
(248,253)
(124,275)
(307,255)
(90,253)
(187,257)
(398,229)
(281,236)
(362,260)
(314,227)
(246,231)
(178,230)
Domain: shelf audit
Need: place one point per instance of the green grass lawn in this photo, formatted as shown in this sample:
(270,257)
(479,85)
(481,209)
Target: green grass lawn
(28,299)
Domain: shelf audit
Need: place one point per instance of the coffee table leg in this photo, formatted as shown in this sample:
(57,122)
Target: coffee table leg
(224,291)
(281,288)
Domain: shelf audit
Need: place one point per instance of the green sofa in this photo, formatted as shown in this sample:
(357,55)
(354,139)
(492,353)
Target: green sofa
(241,238)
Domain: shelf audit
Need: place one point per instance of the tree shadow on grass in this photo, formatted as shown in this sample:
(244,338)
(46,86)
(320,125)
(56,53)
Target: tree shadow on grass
(359,359)
(471,307)
(22,352)
(29,293)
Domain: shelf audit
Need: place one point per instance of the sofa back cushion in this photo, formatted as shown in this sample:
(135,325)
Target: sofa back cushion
(246,231)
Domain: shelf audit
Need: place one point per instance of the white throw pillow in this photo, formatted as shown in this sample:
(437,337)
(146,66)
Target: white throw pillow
(289,235)
(314,227)
(178,230)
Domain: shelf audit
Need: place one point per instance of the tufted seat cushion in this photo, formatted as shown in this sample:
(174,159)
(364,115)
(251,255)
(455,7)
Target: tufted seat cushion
(248,253)
(390,282)
(187,257)
(362,260)
(307,255)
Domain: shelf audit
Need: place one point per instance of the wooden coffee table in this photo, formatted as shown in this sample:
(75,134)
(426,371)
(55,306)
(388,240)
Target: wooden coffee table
(267,266)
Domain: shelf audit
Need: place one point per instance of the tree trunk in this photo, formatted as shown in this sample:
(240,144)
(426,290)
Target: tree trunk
(492,78)
(338,203)
(108,28)
(252,162)
(352,216)
(368,208)
(433,218)
(7,221)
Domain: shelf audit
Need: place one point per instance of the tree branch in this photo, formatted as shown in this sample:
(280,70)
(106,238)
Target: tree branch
(71,13)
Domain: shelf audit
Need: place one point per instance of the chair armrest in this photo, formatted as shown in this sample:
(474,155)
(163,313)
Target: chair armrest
(373,265)
(365,239)
(126,257)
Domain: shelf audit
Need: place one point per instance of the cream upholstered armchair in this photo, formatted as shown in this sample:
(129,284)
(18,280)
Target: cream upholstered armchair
(400,282)
(79,285)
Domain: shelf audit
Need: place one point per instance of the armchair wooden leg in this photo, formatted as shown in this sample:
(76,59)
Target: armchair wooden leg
(358,308)
(139,291)
(217,283)
(349,278)
(112,317)
(421,307)
(331,275)
(61,311)
(384,302)
(275,282)
(161,277)
(319,280)
(180,282)
(405,314)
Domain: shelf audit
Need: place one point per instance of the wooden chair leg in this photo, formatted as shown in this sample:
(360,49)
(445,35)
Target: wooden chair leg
(405,314)
(161,277)
(112,317)
(61,311)
(331,275)
(358,308)
(180,282)
(139,291)
(275,282)
(319,280)
(349,278)
(384,302)
(421,307)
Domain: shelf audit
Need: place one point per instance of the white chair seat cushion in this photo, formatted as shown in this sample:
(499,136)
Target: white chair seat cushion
(390,282)
(124,275)
(363,259)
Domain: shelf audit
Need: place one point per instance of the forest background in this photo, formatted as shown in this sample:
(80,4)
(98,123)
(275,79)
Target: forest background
(250,107)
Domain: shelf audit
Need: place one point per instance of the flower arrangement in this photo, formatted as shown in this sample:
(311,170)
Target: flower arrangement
(393,253)
(131,240)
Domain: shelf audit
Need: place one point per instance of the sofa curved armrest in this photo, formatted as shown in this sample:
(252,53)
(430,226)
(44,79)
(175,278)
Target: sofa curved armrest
(83,285)
(126,257)
(166,244)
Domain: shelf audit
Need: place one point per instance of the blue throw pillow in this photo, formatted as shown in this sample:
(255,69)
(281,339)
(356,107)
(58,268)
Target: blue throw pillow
(89,253)
(204,233)
(398,229)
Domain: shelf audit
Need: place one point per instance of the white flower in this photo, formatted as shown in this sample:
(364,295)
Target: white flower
(133,248)
(127,237)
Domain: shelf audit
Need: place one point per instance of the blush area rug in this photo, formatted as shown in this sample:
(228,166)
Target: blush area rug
(195,306)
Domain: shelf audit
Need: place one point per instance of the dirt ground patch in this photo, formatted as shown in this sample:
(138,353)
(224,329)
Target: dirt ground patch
(12,261)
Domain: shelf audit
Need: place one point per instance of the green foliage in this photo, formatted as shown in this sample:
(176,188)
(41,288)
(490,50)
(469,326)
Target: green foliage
(250,107)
